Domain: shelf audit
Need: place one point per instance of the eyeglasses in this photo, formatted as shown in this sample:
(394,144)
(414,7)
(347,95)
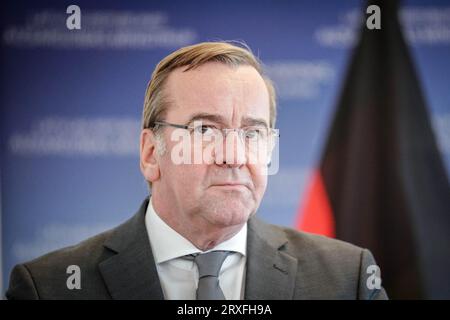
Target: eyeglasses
(250,133)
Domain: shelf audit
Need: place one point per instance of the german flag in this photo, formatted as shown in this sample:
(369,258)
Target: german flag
(381,183)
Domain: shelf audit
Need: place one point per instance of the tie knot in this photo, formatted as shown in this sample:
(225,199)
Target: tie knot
(209,264)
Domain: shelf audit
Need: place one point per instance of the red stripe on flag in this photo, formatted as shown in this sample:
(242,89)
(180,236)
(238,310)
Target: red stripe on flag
(316,215)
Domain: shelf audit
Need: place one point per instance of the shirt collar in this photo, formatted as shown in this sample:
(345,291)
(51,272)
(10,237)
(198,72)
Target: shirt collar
(167,244)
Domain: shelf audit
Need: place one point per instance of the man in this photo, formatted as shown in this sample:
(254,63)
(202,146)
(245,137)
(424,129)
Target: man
(197,236)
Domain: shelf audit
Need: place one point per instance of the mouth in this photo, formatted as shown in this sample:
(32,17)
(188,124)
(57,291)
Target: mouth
(231,186)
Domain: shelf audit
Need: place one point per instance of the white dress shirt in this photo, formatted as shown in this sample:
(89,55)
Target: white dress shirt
(179,275)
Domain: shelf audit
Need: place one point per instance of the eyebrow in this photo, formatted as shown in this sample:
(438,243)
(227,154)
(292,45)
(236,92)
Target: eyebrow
(206,116)
(254,122)
(247,121)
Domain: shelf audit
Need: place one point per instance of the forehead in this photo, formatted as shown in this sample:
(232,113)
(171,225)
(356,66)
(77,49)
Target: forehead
(231,92)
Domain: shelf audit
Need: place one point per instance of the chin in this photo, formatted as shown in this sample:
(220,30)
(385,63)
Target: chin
(229,213)
(227,208)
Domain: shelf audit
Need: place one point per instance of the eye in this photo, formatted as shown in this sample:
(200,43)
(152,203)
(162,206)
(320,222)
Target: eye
(254,133)
(205,130)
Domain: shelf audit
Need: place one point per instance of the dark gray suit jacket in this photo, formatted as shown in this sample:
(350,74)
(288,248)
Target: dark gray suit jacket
(118,264)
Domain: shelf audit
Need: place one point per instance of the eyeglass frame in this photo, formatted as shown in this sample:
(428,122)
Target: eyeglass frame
(271,131)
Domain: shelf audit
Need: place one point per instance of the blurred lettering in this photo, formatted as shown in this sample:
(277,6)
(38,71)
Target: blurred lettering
(73,21)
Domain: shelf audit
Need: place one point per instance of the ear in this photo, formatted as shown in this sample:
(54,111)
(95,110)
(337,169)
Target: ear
(148,158)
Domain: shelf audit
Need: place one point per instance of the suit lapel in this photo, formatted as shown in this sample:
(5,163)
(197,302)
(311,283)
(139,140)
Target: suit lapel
(271,272)
(131,272)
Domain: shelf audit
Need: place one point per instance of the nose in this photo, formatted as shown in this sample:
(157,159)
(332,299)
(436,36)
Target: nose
(233,151)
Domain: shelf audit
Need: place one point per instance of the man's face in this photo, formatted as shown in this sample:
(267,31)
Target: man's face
(220,194)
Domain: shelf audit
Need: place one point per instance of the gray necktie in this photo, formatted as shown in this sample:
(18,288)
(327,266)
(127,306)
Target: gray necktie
(209,265)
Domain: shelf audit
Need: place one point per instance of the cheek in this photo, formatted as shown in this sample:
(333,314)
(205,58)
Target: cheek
(185,177)
(259,177)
